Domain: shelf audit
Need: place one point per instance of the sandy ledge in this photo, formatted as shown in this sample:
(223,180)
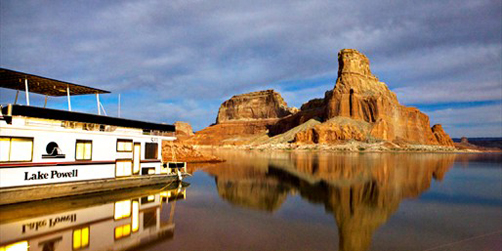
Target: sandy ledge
(348,147)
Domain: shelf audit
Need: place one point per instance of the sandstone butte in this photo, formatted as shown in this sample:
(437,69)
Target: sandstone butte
(359,108)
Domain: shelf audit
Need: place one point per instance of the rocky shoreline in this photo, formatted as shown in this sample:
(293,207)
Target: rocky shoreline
(358,108)
(351,147)
(360,114)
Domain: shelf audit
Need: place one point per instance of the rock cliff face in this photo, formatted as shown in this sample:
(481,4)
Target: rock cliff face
(336,130)
(360,96)
(252,106)
(441,136)
(231,133)
(359,107)
(244,117)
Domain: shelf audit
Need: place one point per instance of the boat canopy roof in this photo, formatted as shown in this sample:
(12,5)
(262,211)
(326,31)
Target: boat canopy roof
(45,113)
(46,86)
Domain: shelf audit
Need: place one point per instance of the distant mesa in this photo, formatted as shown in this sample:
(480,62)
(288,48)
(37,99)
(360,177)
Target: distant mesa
(359,108)
(480,144)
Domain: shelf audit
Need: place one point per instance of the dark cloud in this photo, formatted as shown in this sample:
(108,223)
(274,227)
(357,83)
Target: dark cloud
(188,56)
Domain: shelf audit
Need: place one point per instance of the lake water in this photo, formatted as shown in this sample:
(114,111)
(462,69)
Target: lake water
(281,200)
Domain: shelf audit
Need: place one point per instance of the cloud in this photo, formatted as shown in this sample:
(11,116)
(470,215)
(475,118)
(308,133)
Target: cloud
(480,121)
(204,52)
(298,97)
(447,92)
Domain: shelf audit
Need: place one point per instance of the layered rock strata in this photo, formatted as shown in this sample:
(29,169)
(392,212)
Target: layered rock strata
(231,133)
(360,97)
(359,107)
(178,151)
(441,136)
(243,117)
(253,106)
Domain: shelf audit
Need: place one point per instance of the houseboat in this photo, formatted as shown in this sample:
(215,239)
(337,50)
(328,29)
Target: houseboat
(121,220)
(47,153)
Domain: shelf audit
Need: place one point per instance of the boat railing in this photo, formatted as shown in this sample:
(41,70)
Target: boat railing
(159,133)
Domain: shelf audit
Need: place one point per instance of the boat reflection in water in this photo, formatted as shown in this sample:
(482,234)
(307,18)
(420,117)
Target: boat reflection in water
(112,221)
(362,191)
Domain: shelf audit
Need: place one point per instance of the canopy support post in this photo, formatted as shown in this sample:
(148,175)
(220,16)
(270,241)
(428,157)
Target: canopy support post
(45,103)
(102,107)
(17,94)
(26,91)
(69,101)
(98,103)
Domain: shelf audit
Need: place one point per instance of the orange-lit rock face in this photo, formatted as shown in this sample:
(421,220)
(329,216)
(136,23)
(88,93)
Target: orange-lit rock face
(243,117)
(184,153)
(441,136)
(252,106)
(314,108)
(360,96)
(335,130)
(359,107)
(183,129)
(231,133)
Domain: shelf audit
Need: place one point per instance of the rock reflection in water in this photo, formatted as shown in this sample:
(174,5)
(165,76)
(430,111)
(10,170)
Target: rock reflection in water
(362,191)
(118,220)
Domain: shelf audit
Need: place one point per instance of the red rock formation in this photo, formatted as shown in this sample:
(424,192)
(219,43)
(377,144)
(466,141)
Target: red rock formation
(185,153)
(492,145)
(336,130)
(231,133)
(252,106)
(360,107)
(183,128)
(314,108)
(243,117)
(360,96)
(441,136)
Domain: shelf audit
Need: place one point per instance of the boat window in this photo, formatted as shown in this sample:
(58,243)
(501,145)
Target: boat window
(122,231)
(20,245)
(135,216)
(80,238)
(16,149)
(151,150)
(123,167)
(83,150)
(122,209)
(124,145)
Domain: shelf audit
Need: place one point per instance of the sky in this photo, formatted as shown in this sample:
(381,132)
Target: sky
(179,60)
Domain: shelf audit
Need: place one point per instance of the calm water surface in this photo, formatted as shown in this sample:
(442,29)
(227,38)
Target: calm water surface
(261,200)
